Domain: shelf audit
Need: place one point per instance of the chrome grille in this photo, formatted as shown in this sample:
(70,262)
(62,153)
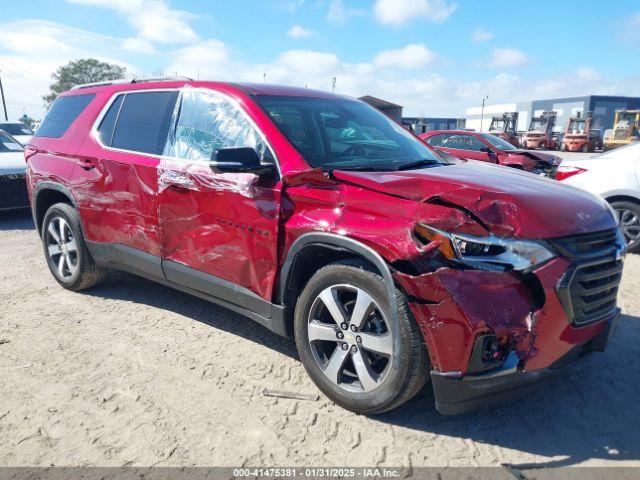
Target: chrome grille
(590,288)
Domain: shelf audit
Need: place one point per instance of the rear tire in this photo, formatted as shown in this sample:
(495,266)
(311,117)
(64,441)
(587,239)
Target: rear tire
(629,213)
(350,359)
(65,250)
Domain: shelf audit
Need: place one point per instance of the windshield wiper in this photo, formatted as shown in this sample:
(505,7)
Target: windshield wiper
(418,164)
(363,169)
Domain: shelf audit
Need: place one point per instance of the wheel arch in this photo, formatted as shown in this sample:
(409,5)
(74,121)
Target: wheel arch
(47,194)
(312,251)
(621,197)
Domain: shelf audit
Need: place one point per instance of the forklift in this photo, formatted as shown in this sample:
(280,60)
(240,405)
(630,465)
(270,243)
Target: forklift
(579,137)
(626,129)
(540,133)
(505,126)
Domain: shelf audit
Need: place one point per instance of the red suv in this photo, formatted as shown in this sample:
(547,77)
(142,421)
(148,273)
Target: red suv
(318,217)
(487,147)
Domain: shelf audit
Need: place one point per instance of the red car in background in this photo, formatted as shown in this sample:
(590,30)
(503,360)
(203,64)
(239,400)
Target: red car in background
(490,148)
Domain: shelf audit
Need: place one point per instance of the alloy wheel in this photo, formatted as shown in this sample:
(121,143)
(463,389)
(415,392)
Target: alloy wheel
(630,225)
(62,247)
(350,338)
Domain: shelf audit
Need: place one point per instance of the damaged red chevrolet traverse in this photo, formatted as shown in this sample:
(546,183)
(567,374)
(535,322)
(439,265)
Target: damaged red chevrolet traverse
(318,217)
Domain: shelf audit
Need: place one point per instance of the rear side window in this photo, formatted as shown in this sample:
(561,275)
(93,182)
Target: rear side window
(105,130)
(143,122)
(62,114)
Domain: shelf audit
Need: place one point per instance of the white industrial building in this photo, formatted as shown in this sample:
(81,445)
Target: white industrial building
(603,108)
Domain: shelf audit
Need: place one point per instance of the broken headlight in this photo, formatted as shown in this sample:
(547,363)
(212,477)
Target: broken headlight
(487,253)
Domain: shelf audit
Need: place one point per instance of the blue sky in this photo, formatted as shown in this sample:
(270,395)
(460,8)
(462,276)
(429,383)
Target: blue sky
(435,57)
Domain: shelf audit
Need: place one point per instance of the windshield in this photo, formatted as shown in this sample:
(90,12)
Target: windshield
(629,117)
(497,125)
(342,134)
(498,142)
(538,125)
(16,129)
(8,144)
(576,127)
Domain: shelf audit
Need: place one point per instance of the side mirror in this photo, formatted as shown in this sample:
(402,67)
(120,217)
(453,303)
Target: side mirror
(488,151)
(238,160)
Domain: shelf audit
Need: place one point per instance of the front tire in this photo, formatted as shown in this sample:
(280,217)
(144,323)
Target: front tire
(65,250)
(629,213)
(345,341)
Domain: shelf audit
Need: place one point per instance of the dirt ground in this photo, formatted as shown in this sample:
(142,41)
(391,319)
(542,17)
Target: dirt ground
(133,373)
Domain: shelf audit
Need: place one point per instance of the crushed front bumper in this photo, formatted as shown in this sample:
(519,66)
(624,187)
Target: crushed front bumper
(471,392)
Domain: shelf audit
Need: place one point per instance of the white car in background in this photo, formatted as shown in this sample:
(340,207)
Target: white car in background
(615,176)
(17,130)
(13,186)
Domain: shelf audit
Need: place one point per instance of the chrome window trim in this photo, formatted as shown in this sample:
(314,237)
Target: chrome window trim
(96,124)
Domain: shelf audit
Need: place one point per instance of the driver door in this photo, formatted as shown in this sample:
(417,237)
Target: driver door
(219,231)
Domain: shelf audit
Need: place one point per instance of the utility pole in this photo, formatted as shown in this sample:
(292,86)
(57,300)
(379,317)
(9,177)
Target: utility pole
(486,97)
(4,104)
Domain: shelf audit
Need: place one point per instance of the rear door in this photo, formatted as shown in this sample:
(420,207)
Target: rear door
(116,179)
(219,230)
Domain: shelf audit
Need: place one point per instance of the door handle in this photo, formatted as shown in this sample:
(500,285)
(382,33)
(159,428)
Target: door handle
(87,163)
(176,181)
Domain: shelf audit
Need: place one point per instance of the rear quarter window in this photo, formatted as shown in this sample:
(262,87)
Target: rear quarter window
(62,114)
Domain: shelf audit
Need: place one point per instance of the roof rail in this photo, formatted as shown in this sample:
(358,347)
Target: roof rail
(98,84)
(161,79)
(134,80)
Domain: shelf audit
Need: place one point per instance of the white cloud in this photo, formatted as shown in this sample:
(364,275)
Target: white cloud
(309,62)
(408,58)
(152,19)
(31,50)
(400,12)
(138,45)
(207,59)
(339,14)
(480,35)
(508,57)
(589,75)
(299,32)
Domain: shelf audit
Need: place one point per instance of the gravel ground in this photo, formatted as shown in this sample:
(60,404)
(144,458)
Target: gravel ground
(133,373)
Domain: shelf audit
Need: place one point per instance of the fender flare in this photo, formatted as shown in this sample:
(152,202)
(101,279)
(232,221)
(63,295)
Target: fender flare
(48,185)
(342,243)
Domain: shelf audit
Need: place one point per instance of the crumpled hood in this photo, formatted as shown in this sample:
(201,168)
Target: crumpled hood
(506,201)
(538,156)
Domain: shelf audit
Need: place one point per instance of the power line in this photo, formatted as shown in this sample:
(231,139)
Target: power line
(34,78)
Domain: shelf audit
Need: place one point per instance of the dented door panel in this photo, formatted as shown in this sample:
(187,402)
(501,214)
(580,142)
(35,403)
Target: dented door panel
(222,224)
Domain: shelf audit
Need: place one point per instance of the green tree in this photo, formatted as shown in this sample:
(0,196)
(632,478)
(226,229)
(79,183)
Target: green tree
(84,70)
